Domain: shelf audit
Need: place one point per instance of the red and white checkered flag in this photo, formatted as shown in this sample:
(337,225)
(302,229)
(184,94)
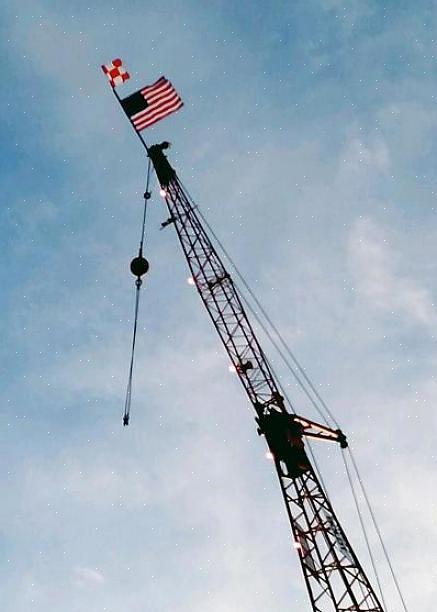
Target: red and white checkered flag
(116,73)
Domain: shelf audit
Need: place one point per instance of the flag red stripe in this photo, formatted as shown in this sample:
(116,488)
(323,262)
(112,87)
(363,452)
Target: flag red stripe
(157,108)
(163,95)
(158,92)
(150,110)
(147,121)
(153,121)
(155,84)
(158,115)
(163,99)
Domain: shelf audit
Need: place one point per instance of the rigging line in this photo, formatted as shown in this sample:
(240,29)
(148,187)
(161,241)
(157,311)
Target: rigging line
(289,352)
(275,375)
(286,396)
(138,283)
(284,358)
(284,393)
(146,198)
(375,524)
(127,402)
(263,326)
(273,326)
(322,482)
(363,529)
(311,386)
(307,379)
(308,442)
(317,469)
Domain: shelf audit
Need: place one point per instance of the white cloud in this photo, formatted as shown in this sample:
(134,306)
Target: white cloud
(377,270)
(84,577)
(374,154)
(213,511)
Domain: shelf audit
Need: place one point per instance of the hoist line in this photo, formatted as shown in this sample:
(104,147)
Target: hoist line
(285,394)
(280,338)
(146,198)
(272,340)
(138,286)
(261,309)
(284,358)
(278,334)
(319,474)
(378,532)
(138,283)
(127,402)
(315,405)
(313,402)
(364,530)
(317,469)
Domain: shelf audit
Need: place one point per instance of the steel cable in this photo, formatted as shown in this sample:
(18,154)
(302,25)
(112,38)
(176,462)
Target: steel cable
(138,283)
(315,405)
(378,531)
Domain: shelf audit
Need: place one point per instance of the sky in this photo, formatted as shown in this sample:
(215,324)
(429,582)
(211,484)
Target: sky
(307,139)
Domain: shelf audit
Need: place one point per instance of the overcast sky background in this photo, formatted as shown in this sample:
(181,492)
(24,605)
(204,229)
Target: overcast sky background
(308,140)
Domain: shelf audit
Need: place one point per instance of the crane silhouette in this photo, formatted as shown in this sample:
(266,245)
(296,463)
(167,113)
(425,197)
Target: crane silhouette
(334,577)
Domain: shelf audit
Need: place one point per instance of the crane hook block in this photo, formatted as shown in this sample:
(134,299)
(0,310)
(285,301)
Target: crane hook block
(139,266)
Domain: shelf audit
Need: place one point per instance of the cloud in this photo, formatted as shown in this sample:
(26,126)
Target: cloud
(351,13)
(377,270)
(100,517)
(374,154)
(86,577)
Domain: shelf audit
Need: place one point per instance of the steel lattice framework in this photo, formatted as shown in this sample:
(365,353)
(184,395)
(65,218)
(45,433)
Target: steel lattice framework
(334,577)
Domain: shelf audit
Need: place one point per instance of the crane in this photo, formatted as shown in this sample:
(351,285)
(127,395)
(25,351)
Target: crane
(335,579)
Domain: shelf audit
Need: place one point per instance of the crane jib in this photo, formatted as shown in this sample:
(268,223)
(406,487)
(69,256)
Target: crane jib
(334,577)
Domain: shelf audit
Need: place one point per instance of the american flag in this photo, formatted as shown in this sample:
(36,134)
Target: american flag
(152,103)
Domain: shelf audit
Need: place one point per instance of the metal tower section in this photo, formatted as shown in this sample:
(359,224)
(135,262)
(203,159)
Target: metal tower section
(335,580)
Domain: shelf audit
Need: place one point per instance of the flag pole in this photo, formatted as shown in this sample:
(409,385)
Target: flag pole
(143,142)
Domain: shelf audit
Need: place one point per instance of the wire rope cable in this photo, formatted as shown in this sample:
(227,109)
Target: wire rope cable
(326,413)
(363,529)
(138,283)
(378,531)
(128,398)
(146,199)
(329,416)
(275,344)
(284,393)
